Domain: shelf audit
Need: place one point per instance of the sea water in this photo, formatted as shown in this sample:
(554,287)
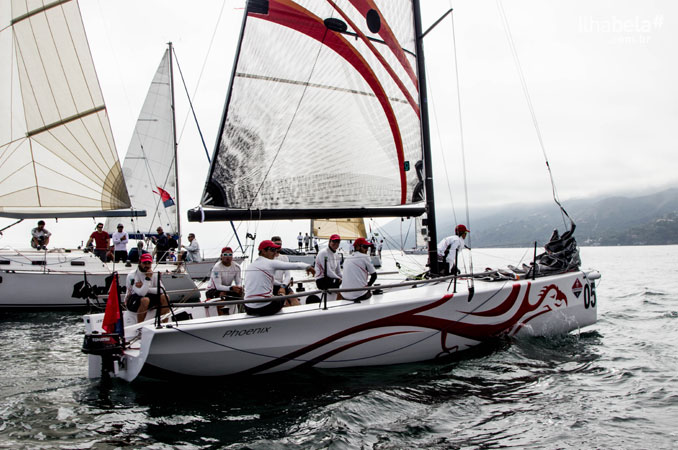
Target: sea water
(610,386)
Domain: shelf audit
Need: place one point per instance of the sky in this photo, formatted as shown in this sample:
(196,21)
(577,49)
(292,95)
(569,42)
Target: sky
(600,74)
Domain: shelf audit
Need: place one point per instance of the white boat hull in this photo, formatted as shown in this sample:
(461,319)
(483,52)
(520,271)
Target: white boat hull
(50,284)
(400,326)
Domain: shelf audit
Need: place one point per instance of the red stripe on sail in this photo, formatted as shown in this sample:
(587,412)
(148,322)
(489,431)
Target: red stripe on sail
(381,59)
(291,15)
(388,36)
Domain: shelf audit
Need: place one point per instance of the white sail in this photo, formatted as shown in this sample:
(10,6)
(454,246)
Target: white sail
(57,153)
(149,166)
(346,228)
(317,119)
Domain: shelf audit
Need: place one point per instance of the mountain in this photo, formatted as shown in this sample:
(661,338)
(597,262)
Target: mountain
(620,220)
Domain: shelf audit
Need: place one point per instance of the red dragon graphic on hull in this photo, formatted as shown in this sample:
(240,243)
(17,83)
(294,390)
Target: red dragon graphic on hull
(519,312)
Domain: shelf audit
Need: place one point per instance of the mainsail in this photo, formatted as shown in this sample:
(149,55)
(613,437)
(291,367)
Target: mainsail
(57,155)
(150,162)
(322,115)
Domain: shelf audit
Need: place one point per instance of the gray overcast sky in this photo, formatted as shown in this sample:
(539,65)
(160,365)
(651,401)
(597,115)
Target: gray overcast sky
(601,75)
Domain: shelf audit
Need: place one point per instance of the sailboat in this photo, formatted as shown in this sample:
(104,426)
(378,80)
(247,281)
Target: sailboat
(57,154)
(341,87)
(150,167)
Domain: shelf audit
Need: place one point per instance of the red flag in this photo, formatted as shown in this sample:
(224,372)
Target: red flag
(112,314)
(165,197)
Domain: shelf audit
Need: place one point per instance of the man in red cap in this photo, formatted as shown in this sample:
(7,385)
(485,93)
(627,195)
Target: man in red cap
(327,265)
(143,290)
(357,268)
(260,277)
(224,273)
(448,249)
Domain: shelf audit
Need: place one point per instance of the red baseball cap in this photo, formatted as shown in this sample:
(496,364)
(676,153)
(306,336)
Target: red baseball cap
(227,250)
(461,229)
(361,241)
(146,257)
(268,243)
(335,237)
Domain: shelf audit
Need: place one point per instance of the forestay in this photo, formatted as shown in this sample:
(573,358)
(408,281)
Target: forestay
(151,158)
(320,118)
(57,153)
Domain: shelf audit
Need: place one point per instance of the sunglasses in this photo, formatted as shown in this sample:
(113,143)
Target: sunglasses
(227,254)
(270,249)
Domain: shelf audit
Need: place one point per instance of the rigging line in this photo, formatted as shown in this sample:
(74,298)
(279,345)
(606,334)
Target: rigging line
(523,83)
(190,103)
(202,70)
(442,151)
(461,142)
(292,120)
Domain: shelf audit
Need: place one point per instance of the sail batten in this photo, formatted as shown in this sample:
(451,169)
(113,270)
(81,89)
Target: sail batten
(48,127)
(318,118)
(58,145)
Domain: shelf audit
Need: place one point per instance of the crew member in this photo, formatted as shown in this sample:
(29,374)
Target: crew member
(222,278)
(357,269)
(448,248)
(143,291)
(260,276)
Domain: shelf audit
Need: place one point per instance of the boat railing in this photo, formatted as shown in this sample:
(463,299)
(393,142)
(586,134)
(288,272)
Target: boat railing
(323,293)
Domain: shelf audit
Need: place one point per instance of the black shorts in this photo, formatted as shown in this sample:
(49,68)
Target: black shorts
(213,293)
(134,301)
(120,255)
(365,296)
(268,310)
(328,283)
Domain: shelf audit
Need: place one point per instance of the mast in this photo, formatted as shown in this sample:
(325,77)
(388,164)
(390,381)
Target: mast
(426,143)
(174,137)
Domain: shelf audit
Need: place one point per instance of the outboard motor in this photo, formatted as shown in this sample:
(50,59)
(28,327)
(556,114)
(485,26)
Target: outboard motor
(106,345)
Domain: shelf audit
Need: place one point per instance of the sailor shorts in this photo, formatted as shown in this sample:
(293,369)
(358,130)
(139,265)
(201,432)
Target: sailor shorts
(134,301)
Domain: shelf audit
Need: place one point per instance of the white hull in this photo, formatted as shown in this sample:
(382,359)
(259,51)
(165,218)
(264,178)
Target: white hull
(50,285)
(400,326)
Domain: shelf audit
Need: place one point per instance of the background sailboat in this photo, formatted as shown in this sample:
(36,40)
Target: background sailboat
(150,164)
(57,155)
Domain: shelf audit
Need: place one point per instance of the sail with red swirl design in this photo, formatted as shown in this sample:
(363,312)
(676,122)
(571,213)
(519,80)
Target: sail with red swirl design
(322,112)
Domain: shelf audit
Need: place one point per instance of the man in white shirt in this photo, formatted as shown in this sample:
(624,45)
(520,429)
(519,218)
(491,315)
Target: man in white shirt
(282,283)
(327,265)
(222,278)
(120,240)
(40,236)
(143,291)
(357,269)
(260,277)
(448,249)
(192,252)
